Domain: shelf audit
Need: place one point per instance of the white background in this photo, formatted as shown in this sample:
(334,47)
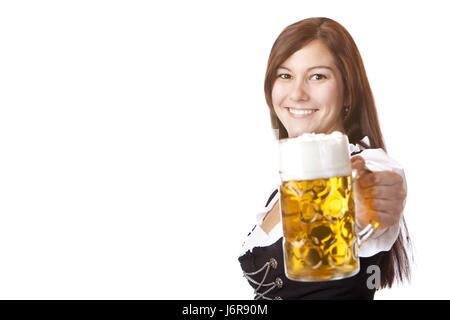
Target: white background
(136,147)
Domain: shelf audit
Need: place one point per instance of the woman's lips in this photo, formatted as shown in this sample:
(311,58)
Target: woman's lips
(301,113)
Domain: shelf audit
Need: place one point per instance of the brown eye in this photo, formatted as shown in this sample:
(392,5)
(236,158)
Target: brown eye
(317,76)
(284,76)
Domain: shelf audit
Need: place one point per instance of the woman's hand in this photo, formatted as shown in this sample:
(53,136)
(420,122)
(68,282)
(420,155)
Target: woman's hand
(380,196)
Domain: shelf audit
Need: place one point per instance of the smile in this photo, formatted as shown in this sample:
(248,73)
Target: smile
(301,113)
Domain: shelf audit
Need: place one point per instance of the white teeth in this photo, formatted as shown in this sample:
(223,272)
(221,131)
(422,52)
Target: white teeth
(301,111)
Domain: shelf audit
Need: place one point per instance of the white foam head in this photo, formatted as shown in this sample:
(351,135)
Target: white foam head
(314,156)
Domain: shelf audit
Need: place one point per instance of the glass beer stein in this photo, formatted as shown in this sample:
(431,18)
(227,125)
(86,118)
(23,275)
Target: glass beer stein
(317,207)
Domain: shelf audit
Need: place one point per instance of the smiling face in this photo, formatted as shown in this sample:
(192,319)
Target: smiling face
(307,94)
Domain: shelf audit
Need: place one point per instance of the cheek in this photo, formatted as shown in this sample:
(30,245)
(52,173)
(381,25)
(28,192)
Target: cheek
(329,97)
(278,94)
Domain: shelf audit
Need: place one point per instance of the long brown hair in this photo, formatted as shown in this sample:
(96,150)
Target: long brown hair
(360,119)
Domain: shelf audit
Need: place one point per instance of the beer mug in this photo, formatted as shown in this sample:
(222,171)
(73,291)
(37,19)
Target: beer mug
(317,206)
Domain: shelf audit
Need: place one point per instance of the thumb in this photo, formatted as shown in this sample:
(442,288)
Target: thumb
(358,163)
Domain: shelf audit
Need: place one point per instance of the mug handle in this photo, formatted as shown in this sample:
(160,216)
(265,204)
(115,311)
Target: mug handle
(368,230)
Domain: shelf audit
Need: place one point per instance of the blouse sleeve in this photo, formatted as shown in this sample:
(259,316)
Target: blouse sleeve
(257,236)
(382,239)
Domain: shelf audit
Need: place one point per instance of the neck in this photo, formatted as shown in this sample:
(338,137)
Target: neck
(338,127)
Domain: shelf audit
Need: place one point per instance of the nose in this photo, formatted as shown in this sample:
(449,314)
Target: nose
(298,92)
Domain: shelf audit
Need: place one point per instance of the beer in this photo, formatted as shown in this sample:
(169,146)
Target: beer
(317,208)
(318,222)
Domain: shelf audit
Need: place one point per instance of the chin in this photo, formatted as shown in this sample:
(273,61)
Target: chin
(296,133)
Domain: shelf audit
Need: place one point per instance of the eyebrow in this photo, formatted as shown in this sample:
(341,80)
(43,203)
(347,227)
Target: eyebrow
(315,67)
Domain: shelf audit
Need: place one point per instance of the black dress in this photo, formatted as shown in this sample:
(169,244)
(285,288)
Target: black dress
(265,273)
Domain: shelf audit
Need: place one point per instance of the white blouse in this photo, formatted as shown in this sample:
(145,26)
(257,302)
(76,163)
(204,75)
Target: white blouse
(381,240)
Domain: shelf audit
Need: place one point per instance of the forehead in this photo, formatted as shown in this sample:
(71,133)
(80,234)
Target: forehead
(313,54)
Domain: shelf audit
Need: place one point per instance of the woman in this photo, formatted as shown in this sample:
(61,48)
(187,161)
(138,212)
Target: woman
(316,82)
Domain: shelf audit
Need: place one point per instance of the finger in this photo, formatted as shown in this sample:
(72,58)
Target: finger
(384,219)
(357,158)
(366,179)
(394,207)
(379,178)
(358,163)
(384,192)
(387,178)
